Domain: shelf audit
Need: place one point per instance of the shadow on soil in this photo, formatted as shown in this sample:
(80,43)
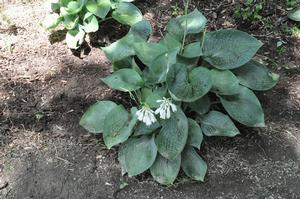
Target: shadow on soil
(71,160)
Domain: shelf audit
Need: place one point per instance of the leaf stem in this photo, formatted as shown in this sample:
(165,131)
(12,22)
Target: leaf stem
(103,20)
(186,3)
(203,38)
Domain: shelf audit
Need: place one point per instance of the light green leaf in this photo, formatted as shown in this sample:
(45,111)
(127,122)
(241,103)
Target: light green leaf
(256,76)
(127,13)
(244,108)
(192,50)
(118,126)
(228,49)
(188,86)
(195,136)
(192,164)
(295,14)
(143,129)
(55,7)
(165,171)
(172,137)
(90,23)
(100,8)
(70,22)
(137,155)
(201,106)
(52,21)
(195,22)
(225,82)
(74,7)
(93,118)
(124,80)
(64,2)
(218,124)
(75,37)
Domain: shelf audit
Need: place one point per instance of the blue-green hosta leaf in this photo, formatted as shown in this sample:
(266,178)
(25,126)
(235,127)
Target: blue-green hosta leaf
(156,72)
(165,171)
(225,82)
(124,63)
(244,108)
(143,129)
(121,159)
(228,49)
(150,97)
(127,13)
(256,76)
(52,21)
(172,137)
(195,22)
(195,136)
(100,8)
(187,61)
(93,118)
(118,126)
(124,80)
(90,23)
(123,48)
(119,50)
(192,164)
(188,86)
(171,43)
(149,52)
(295,14)
(192,50)
(201,106)
(175,29)
(142,28)
(75,37)
(218,124)
(137,155)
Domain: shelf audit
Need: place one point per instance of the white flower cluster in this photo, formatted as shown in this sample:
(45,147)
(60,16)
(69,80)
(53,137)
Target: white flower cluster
(147,116)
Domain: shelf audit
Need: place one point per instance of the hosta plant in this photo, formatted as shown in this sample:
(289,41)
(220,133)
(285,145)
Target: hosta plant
(84,16)
(190,84)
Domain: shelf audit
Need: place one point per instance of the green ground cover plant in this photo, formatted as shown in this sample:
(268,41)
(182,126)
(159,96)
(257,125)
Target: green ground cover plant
(189,85)
(84,16)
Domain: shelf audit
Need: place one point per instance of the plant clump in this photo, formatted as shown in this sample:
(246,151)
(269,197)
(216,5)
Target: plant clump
(84,16)
(190,84)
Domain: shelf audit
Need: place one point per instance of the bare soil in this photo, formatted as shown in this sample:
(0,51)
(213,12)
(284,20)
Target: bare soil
(45,88)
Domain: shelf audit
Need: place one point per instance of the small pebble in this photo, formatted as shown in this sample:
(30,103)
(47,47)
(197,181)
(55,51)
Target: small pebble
(3,183)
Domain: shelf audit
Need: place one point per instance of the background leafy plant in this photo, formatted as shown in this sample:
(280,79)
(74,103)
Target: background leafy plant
(84,16)
(249,10)
(205,74)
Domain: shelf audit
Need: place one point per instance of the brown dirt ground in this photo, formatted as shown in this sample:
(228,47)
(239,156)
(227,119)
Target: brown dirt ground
(44,90)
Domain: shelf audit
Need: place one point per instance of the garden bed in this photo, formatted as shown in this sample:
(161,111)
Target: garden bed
(45,89)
